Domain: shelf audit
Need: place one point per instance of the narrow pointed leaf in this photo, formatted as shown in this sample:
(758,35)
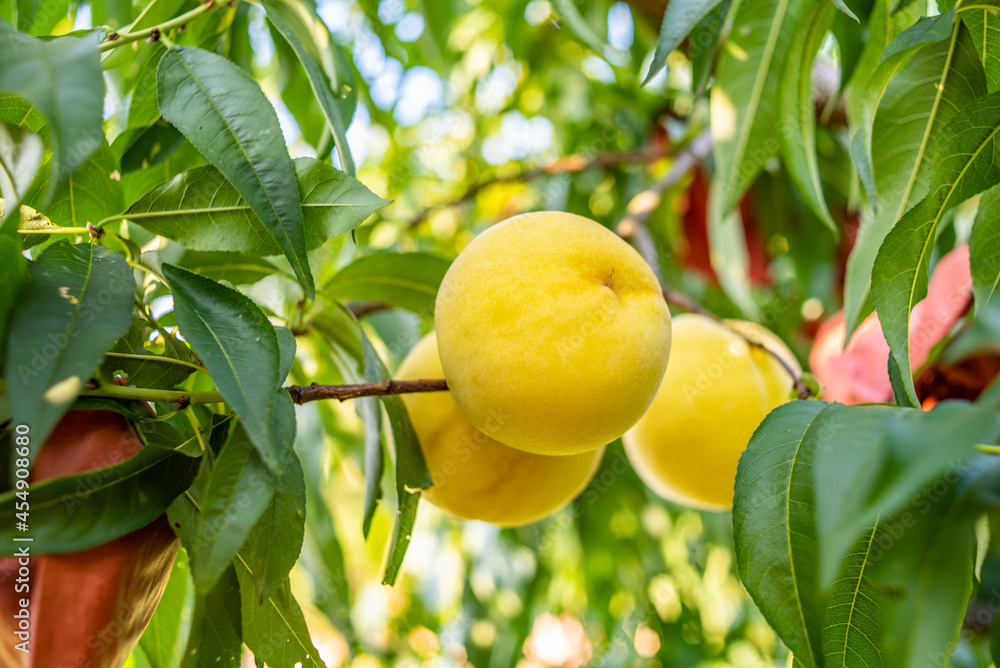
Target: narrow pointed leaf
(875,459)
(274,545)
(237,345)
(798,113)
(852,635)
(162,641)
(679,19)
(404,280)
(705,37)
(913,103)
(964,166)
(774,531)
(216,639)
(744,98)
(81,301)
(89,194)
(203,211)
(412,475)
(304,31)
(984,249)
(275,630)
(62,78)
(236,493)
(227,117)
(568,12)
(172,367)
(984,26)
(232,266)
(69,514)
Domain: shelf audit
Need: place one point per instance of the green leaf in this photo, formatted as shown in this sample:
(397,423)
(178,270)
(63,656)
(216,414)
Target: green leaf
(161,434)
(849,635)
(984,249)
(798,110)
(232,266)
(63,80)
(146,147)
(13,272)
(77,512)
(304,31)
(411,468)
(900,393)
(142,109)
(773,528)
(31,225)
(89,194)
(322,547)
(745,128)
(745,123)
(164,372)
(842,6)
(404,280)
(286,346)
(679,19)
(237,345)
(875,459)
(235,494)
(137,183)
(704,43)
(984,26)
(226,115)
(914,104)
(77,305)
(275,630)
(341,330)
(163,640)
(567,11)
(964,165)
(925,562)
(927,30)
(203,211)
(371,416)
(216,639)
(275,542)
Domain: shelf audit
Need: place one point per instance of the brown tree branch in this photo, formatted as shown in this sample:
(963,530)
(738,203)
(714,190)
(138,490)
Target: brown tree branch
(305,393)
(568,164)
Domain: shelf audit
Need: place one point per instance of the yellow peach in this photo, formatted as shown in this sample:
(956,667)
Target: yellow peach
(476,477)
(553,333)
(716,391)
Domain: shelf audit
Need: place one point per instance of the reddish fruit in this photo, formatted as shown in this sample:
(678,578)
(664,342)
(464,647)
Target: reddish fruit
(89,608)
(859,373)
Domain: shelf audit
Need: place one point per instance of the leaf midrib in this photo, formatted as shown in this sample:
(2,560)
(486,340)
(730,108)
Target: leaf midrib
(857,589)
(253,166)
(282,617)
(76,312)
(937,218)
(939,93)
(788,539)
(758,84)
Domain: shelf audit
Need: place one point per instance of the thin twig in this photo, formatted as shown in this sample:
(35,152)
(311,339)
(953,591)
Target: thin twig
(305,393)
(116,39)
(687,304)
(642,205)
(568,164)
